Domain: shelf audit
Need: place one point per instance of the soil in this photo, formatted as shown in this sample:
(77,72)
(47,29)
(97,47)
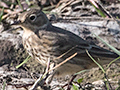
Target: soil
(77,16)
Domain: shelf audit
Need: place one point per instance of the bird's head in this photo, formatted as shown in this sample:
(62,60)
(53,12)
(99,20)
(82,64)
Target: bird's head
(33,20)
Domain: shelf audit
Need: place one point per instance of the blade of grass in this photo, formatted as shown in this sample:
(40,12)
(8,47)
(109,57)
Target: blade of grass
(80,72)
(23,62)
(118,88)
(106,79)
(113,61)
(111,47)
(75,87)
(28,2)
(9,3)
(106,83)
(95,61)
(97,9)
(4,85)
(1,14)
(20,4)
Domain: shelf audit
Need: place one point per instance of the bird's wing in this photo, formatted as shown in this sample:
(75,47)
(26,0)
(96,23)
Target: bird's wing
(81,45)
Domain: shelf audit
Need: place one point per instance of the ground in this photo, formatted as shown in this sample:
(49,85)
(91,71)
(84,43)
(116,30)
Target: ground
(77,16)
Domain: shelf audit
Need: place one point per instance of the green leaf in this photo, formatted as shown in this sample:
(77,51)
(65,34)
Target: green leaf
(75,87)
(80,80)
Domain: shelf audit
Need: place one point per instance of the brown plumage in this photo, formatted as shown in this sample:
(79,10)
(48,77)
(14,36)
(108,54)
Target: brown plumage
(44,41)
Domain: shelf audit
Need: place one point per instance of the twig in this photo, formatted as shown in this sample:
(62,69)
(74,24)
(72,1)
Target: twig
(63,62)
(66,52)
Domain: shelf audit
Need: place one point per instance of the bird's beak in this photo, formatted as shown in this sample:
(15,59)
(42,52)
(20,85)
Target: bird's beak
(18,22)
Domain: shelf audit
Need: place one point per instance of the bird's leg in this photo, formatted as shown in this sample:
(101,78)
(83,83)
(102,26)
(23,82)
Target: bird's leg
(70,82)
(51,74)
(46,77)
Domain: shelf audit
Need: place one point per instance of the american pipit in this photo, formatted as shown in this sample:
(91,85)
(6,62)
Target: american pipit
(44,41)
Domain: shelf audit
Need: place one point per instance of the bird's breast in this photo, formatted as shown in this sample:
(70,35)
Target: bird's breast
(38,47)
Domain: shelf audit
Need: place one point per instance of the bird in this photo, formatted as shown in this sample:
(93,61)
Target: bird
(44,42)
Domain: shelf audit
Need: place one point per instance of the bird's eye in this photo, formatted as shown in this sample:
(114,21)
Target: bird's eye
(32,17)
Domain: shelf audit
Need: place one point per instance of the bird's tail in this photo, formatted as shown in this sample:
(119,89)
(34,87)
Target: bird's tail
(105,56)
(98,51)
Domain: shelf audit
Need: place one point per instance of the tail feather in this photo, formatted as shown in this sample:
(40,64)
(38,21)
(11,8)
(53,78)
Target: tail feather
(102,52)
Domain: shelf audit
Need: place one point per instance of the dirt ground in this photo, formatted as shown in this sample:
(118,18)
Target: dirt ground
(77,16)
